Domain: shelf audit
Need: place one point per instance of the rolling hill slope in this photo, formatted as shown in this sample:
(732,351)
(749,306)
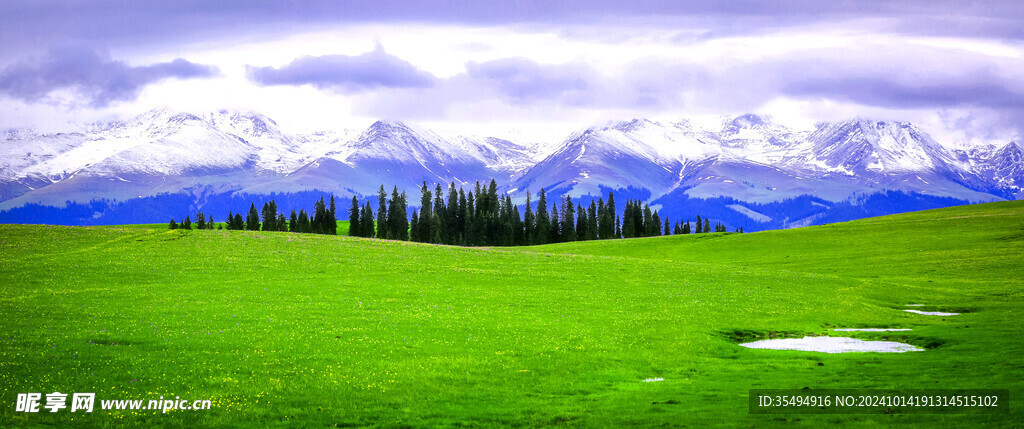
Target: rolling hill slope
(929,244)
(279,329)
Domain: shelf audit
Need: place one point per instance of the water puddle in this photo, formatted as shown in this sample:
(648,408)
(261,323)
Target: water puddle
(932,313)
(832,345)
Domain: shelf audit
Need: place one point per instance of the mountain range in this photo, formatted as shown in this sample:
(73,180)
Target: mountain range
(749,166)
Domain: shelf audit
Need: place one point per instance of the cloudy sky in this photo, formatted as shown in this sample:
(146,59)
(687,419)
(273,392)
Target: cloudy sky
(954,67)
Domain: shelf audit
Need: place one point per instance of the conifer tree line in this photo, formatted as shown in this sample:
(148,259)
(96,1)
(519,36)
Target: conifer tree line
(482,217)
(479,217)
(323,220)
(391,223)
(202,222)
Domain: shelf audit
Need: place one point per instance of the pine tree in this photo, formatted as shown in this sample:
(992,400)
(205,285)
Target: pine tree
(239,223)
(592,222)
(269,216)
(382,213)
(304,223)
(469,231)
(424,235)
(186,224)
(518,231)
(504,234)
(397,223)
(275,215)
(581,223)
(699,225)
(554,230)
(452,214)
(655,228)
(353,219)
(403,221)
(332,218)
(629,226)
(493,229)
(293,222)
(439,218)
(686,227)
(568,221)
(542,227)
(319,221)
(172,225)
(200,220)
(463,215)
(648,219)
(435,228)
(667,230)
(707,225)
(252,222)
(613,217)
(366,222)
(414,227)
(637,211)
(282,223)
(529,222)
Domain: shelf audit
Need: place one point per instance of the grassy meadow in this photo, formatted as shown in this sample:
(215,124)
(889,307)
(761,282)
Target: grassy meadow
(293,330)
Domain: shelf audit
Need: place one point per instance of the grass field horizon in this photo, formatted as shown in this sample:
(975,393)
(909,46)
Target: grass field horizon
(284,329)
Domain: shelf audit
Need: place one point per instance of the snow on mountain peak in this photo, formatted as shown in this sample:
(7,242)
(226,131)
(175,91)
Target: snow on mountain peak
(863,145)
(749,155)
(757,138)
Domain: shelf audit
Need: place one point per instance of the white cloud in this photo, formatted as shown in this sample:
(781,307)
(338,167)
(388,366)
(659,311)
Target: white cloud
(611,73)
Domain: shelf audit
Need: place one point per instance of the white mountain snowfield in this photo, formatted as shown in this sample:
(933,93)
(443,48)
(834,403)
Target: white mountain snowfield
(749,158)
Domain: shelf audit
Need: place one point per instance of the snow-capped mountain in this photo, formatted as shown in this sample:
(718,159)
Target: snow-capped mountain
(403,153)
(392,153)
(159,151)
(635,152)
(1002,166)
(877,147)
(753,159)
(757,138)
(748,158)
(167,151)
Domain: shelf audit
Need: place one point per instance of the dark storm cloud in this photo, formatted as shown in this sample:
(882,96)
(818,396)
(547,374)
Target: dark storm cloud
(342,73)
(126,22)
(93,75)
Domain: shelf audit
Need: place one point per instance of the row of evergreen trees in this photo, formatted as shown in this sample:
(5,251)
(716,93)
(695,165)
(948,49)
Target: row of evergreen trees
(392,221)
(323,220)
(479,217)
(202,222)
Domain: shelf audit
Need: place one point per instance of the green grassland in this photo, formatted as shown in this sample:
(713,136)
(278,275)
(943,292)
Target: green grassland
(282,329)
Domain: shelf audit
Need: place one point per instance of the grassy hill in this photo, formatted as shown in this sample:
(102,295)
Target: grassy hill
(281,329)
